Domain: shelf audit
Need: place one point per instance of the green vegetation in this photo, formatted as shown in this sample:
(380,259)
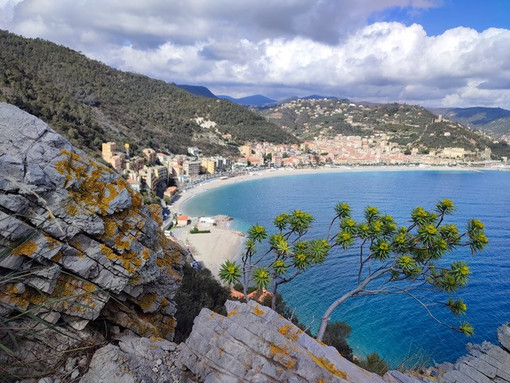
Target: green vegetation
(288,255)
(398,260)
(196,231)
(89,103)
(408,260)
(198,289)
(373,363)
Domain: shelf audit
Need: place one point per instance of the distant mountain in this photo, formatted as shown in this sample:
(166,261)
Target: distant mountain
(256,100)
(411,126)
(493,121)
(197,90)
(90,103)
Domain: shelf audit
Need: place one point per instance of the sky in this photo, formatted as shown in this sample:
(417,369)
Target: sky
(450,53)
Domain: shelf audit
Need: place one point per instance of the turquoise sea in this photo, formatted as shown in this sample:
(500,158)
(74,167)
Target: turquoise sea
(393,326)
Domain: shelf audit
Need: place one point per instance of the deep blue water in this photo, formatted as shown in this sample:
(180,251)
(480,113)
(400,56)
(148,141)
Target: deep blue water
(393,326)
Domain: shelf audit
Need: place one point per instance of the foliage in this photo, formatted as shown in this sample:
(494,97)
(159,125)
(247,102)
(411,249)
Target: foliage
(289,255)
(408,260)
(195,230)
(198,289)
(374,363)
(336,335)
(90,103)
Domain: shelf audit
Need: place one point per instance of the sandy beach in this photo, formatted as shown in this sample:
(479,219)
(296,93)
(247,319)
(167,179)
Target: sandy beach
(212,249)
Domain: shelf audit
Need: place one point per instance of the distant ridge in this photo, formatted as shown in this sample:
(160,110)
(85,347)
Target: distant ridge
(493,121)
(197,90)
(255,100)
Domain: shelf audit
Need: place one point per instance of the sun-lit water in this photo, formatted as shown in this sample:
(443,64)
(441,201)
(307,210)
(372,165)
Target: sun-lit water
(394,326)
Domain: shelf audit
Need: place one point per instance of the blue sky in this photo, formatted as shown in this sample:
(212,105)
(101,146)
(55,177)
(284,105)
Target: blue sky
(477,14)
(427,52)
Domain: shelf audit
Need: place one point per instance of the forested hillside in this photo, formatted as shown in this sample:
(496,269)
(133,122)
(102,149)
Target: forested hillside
(90,102)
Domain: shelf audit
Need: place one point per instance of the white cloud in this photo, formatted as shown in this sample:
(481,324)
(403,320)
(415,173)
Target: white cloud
(280,48)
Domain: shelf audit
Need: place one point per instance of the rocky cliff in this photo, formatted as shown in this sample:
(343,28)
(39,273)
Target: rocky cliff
(76,245)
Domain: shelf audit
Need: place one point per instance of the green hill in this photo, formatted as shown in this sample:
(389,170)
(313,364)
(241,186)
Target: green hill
(90,102)
(411,126)
(493,121)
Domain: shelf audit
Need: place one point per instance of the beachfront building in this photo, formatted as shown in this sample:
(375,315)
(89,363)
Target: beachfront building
(170,192)
(182,220)
(191,168)
(208,166)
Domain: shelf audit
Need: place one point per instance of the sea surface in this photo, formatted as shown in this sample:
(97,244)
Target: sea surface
(395,327)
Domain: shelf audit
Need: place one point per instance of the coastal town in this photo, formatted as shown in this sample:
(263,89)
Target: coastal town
(164,174)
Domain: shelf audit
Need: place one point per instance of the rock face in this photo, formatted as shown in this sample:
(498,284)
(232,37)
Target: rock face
(255,344)
(136,359)
(75,240)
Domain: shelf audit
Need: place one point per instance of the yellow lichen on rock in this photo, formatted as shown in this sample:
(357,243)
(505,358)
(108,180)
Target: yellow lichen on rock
(258,311)
(327,365)
(232,313)
(282,355)
(27,248)
(156,214)
(88,193)
(147,301)
(130,260)
(286,330)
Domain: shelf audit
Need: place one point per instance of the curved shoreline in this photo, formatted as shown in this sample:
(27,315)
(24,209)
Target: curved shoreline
(215,183)
(221,244)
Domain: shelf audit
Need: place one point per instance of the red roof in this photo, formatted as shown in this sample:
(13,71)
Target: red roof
(182,218)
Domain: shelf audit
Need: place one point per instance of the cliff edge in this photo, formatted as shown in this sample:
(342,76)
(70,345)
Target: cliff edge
(76,245)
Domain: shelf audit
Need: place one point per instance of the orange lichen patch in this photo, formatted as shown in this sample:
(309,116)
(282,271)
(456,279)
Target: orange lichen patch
(130,260)
(164,302)
(282,356)
(147,301)
(289,331)
(156,214)
(168,262)
(88,194)
(110,227)
(27,248)
(52,242)
(57,257)
(220,351)
(321,343)
(155,324)
(232,313)
(10,295)
(258,311)
(122,243)
(69,292)
(146,254)
(77,245)
(327,365)
(74,294)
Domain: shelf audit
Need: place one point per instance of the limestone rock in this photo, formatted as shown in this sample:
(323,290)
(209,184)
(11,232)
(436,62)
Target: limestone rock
(504,336)
(255,344)
(77,238)
(136,360)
